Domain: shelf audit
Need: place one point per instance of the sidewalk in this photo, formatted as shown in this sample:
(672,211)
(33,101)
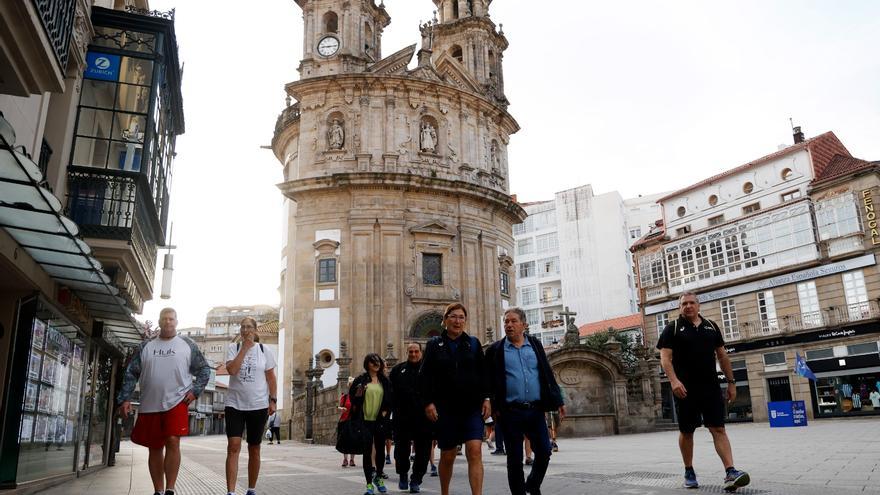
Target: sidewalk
(840,457)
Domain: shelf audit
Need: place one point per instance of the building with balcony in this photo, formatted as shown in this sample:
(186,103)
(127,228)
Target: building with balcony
(222,325)
(89,110)
(782,252)
(573,251)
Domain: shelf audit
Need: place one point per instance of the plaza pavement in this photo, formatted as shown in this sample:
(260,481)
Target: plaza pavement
(827,457)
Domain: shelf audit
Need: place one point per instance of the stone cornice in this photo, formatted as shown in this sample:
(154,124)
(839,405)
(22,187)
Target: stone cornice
(298,189)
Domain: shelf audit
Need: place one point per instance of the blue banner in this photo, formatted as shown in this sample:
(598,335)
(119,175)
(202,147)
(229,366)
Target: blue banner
(102,66)
(787,413)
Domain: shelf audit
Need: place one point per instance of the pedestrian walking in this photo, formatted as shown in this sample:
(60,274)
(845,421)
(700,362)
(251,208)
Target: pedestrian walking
(689,348)
(275,427)
(455,393)
(371,398)
(523,390)
(344,415)
(249,402)
(412,431)
(164,367)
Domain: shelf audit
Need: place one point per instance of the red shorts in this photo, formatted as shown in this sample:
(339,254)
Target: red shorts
(152,429)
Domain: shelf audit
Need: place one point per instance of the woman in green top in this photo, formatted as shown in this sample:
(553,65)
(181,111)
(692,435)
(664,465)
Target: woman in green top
(371,400)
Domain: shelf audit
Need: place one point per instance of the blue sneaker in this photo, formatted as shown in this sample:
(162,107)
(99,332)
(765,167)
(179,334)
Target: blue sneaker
(415,488)
(369,490)
(251,492)
(403,484)
(433,470)
(380,484)
(735,479)
(387,459)
(690,479)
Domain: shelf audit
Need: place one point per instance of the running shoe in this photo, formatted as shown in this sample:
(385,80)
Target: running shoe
(403,484)
(735,479)
(387,459)
(690,479)
(370,490)
(415,488)
(529,461)
(380,484)
(251,492)
(433,470)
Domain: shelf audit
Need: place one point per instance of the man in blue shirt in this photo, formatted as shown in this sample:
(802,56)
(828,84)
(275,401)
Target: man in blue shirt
(523,389)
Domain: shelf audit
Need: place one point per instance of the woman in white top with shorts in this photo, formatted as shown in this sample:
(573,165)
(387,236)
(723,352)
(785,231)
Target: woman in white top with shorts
(250,401)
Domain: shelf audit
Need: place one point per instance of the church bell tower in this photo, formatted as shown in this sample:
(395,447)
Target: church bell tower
(466,33)
(341,36)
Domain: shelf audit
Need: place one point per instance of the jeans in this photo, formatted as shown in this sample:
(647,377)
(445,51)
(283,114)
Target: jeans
(517,423)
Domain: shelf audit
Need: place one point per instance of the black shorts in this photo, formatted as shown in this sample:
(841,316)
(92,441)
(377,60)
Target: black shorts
(700,408)
(255,421)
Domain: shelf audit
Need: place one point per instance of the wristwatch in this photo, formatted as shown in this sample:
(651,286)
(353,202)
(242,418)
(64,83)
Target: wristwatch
(273,399)
(729,380)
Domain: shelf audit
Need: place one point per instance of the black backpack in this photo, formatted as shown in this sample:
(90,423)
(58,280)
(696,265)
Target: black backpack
(238,347)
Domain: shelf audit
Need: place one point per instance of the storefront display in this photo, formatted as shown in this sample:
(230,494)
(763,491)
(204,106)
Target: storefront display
(50,408)
(850,394)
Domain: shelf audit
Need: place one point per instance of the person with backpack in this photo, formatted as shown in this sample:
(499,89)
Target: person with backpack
(455,395)
(689,347)
(249,402)
(275,428)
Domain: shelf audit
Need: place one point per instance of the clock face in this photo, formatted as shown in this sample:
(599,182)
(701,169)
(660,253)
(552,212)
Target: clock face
(328,46)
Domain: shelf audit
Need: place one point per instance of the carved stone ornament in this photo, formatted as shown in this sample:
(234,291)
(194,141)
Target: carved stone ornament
(335,135)
(428,138)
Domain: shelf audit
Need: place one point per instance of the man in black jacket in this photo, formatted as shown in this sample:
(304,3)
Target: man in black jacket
(523,389)
(410,424)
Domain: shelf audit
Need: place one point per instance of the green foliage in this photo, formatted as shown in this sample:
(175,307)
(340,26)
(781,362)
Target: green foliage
(628,348)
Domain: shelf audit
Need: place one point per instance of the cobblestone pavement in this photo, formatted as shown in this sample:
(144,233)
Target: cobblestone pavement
(827,457)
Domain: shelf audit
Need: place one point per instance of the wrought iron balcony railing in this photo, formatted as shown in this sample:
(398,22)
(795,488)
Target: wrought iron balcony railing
(57,19)
(811,320)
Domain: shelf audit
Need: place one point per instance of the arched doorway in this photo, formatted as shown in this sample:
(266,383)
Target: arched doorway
(426,326)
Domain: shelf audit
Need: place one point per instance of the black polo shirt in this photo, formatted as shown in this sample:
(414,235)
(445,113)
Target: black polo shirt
(693,351)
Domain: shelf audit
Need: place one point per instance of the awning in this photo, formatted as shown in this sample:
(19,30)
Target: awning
(31,214)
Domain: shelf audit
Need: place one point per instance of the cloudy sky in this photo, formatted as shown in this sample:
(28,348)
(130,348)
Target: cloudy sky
(638,97)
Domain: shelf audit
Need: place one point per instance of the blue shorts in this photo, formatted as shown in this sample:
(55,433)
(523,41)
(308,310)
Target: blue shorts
(456,428)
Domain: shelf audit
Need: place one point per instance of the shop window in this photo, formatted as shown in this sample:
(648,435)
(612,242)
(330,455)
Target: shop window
(851,393)
(860,349)
(820,354)
(327,271)
(432,269)
(729,319)
(774,358)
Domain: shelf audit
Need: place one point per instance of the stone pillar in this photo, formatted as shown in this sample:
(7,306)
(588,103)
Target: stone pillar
(344,363)
(390,359)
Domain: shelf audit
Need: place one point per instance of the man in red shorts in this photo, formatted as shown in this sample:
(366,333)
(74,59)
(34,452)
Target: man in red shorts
(164,367)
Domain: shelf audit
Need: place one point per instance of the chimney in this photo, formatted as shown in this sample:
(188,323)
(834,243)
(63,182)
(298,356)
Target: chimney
(798,135)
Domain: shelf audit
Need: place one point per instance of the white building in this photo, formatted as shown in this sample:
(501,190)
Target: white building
(574,251)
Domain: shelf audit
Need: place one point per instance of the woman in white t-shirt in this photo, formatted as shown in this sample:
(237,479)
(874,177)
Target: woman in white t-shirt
(249,402)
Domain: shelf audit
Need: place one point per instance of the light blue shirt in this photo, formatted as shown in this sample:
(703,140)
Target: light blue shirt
(521,371)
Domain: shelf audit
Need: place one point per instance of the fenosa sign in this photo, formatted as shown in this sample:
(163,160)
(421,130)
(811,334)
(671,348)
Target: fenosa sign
(870,216)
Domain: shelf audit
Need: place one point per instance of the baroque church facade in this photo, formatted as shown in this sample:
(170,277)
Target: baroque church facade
(396,187)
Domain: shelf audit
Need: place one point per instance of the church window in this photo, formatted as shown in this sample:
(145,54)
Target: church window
(432,269)
(331,22)
(457,53)
(327,271)
(427,326)
(368,38)
(505,283)
(455,9)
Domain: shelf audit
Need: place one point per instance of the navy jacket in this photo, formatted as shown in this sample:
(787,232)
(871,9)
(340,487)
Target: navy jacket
(551,396)
(453,380)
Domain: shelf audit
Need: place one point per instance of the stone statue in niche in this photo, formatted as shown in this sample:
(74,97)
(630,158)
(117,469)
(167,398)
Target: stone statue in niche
(428,138)
(495,156)
(336,135)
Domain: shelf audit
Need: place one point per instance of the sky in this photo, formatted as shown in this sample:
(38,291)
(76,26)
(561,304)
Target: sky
(634,96)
